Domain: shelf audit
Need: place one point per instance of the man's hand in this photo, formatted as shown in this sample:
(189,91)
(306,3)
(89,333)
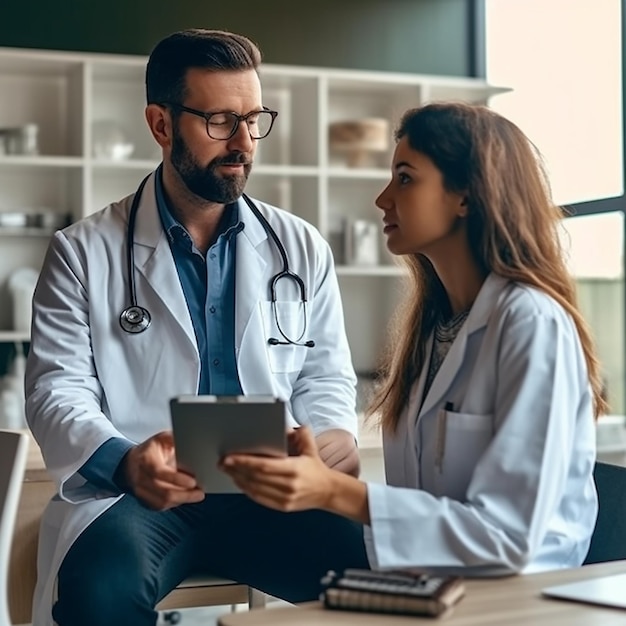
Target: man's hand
(149,472)
(337,448)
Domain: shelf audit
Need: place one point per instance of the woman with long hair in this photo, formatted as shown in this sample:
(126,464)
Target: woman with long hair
(490,387)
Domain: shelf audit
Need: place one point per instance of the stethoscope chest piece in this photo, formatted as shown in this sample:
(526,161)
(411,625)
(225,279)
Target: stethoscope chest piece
(135,319)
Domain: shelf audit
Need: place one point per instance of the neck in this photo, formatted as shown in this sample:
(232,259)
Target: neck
(461,277)
(199,217)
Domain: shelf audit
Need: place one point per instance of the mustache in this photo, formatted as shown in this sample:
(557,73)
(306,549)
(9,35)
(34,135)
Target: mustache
(234,158)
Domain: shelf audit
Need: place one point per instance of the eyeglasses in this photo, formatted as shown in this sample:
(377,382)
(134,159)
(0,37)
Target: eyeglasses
(224,124)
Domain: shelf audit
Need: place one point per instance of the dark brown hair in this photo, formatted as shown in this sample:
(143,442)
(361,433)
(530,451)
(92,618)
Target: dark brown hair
(195,48)
(512,227)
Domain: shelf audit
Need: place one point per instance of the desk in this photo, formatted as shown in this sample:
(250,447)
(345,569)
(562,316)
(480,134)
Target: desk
(514,601)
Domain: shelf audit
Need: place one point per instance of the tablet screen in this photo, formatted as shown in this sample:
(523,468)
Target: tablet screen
(206,428)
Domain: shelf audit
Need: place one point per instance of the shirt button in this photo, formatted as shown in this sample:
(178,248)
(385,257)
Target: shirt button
(216,361)
(211,309)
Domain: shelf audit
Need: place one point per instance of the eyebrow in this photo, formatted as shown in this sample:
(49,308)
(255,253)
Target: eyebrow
(400,164)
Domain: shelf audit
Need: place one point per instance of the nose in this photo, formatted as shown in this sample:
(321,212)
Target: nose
(384,201)
(241,141)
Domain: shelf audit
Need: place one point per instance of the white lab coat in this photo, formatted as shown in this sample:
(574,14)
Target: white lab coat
(502,482)
(87,380)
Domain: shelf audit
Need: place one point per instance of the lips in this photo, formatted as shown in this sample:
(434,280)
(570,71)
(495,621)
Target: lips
(387,228)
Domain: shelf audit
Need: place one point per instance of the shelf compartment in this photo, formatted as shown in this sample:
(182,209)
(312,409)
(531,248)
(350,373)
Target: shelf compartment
(111,184)
(348,202)
(40,188)
(17,253)
(47,92)
(118,96)
(356,99)
(294,138)
(297,194)
(366,325)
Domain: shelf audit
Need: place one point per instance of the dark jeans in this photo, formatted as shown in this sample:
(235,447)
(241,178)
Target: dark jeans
(130,557)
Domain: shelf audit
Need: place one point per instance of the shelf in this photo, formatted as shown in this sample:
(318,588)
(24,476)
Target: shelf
(358,174)
(41,161)
(16,231)
(374,270)
(284,170)
(68,95)
(9,336)
(126,164)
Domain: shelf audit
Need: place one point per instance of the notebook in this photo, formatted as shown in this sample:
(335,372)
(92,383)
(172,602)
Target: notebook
(396,591)
(605,591)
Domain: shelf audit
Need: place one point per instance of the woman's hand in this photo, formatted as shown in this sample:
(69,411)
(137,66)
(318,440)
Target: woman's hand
(292,483)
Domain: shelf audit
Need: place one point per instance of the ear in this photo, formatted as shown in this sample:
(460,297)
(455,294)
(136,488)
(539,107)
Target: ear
(160,124)
(463,206)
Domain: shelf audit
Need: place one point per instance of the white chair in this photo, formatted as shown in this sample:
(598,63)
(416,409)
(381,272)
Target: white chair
(13,451)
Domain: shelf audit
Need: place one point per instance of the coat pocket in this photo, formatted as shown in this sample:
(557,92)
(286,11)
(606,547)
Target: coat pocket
(282,320)
(462,439)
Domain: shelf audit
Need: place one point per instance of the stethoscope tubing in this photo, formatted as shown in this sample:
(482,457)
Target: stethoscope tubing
(135,319)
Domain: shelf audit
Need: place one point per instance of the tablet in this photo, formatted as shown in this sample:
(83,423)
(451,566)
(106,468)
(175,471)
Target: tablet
(206,428)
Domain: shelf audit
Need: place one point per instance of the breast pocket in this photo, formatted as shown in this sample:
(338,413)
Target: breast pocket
(463,438)
(288,317)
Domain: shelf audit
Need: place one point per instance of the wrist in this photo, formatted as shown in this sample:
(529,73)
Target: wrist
(347,496)
(120,476)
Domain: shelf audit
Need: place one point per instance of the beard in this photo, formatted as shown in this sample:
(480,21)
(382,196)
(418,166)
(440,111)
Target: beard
(203,180)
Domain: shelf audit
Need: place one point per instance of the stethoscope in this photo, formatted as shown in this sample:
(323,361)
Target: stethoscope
(135,319)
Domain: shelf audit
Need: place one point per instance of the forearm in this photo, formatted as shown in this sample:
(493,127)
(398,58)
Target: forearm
(348,497)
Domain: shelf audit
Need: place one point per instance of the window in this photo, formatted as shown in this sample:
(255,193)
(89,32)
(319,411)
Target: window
(563,61)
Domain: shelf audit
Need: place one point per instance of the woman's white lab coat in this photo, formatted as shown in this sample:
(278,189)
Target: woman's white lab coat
(500,482)
(87,380)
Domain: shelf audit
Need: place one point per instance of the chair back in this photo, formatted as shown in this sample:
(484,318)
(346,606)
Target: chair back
(608,542)
(13,451)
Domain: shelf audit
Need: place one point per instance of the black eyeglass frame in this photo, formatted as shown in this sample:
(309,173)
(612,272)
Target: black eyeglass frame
(240,118)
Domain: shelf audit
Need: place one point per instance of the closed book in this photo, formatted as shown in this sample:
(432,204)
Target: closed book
(393,591)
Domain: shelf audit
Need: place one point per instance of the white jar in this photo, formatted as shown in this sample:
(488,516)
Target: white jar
(22,284)
(11,410)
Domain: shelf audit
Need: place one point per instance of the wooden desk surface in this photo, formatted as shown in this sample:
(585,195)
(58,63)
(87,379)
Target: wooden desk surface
(514,601)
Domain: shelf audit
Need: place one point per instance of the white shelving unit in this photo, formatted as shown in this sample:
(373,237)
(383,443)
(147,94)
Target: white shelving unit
(65,93)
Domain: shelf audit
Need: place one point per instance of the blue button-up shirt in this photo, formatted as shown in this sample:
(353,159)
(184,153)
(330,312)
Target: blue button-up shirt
(209,287)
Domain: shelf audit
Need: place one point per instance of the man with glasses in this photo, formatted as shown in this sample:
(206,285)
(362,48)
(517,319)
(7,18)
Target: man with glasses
(127,527)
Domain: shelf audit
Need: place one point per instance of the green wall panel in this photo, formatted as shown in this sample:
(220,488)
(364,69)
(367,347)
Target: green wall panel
(420,36)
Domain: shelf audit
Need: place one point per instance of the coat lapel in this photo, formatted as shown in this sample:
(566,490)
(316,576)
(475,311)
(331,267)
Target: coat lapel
(251,284)
(154,261)
(251,288)
(477,319)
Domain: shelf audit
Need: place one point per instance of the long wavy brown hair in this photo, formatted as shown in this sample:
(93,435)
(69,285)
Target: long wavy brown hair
(512,227)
